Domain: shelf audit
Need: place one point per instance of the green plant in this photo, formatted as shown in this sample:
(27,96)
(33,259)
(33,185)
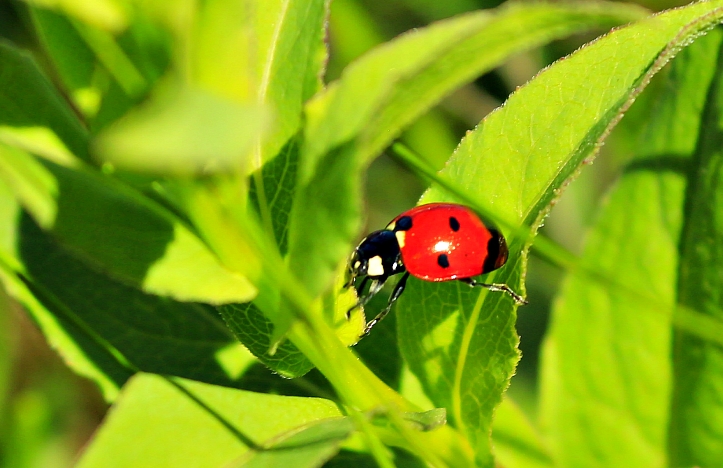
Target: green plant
(186,161)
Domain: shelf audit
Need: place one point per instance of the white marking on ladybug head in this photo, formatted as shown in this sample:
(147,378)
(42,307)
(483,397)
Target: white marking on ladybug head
(441,246)
(401,236)
(375,267)
(357,264)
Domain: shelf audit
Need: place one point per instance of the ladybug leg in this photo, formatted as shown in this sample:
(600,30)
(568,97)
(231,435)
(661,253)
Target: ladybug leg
(496,287)
(398,290)
(363,284)
(373,290)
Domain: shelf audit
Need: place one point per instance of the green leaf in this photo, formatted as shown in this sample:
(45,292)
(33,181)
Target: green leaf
(606,379)
(105,330)
(460,343)
(85,356)
(33,186)
(151,333)
(72,58)
(183,131)
(271,193)
(168,259)
(517,441)
(40,141)
(308,446)
(27,99)
(123,233)
(254,330)
(462,368)
(7,356)
(102,75)
(81,353)
(114,59)
(351,121)
(389,87)
(268,56)
(107,15)
(293,63)
(427,420)
(258,333)
(156,424)
(696,423)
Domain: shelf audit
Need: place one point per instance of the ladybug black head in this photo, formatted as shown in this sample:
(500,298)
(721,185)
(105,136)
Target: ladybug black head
(377,256)
(497,252)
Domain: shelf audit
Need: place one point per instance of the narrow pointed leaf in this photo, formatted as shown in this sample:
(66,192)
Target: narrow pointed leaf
(351,121)
(254,330)
(293,65)
(100,92)
(387,88)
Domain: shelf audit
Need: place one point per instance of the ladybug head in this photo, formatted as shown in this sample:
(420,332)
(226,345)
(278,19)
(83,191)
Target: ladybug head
(377,256)
(497,252)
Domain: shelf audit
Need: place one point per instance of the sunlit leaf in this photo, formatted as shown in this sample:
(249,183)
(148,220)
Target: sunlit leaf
(87,358)
(606,381)
(696,427)
(269,55)
(305,447)
(463,344)
(106,14)
(119,231)
(183,131)
(516,440)
(352,120)
(32,184)
(151,333)
(102,221)
(156,424)
(28,100)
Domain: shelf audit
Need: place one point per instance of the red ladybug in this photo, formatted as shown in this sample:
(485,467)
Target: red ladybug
(434,242)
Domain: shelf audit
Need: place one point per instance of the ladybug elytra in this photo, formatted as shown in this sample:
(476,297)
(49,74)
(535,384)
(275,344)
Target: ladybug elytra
(433,242)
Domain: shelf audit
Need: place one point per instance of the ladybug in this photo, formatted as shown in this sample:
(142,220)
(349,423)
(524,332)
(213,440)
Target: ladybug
(433,242)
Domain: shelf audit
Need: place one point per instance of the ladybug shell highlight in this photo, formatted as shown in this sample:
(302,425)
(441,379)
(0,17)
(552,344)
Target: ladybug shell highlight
(445,241)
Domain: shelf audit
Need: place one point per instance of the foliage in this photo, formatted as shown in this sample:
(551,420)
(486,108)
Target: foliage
(180,192)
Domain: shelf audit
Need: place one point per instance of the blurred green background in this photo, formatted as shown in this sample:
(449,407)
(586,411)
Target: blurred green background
(47,413)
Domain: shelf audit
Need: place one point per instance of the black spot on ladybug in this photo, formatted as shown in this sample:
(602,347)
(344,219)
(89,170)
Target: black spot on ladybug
(493,251)
(403,224)
(443,261)
(453,223)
